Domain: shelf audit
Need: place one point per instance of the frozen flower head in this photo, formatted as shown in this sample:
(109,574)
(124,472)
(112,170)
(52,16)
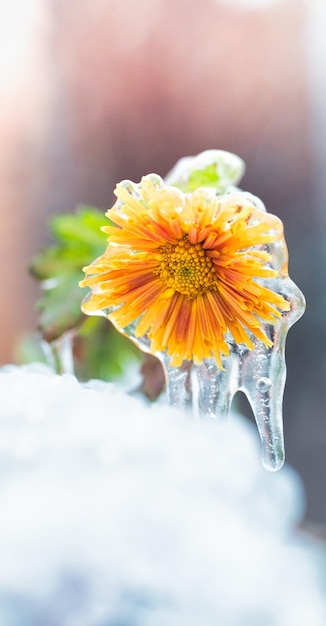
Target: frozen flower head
(196,273)
(188,271)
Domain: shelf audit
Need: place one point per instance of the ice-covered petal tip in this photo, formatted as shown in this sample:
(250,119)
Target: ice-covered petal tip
(200,279)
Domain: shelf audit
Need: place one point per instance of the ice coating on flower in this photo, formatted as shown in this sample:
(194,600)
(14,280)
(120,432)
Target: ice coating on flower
(191,272)
(212,168)
(201,281)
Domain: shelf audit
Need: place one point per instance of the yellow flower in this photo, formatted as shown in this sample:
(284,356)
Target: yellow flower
(188,270)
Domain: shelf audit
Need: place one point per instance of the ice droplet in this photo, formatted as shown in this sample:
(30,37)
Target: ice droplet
(263,384)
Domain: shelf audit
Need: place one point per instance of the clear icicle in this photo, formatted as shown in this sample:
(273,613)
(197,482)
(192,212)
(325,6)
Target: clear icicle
(259,373)
(179,386)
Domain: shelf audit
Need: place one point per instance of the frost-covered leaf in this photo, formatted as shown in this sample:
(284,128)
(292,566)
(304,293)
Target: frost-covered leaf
(59,308)
(99,350)
(78,239)
(207,177)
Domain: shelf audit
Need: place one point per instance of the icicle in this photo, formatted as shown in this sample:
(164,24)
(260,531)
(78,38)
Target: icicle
(259,373)
(178,383)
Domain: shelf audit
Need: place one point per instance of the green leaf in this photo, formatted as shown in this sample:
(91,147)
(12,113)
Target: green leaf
(100,351)
(82,227)
(207,177)
(78,240)
(59,308)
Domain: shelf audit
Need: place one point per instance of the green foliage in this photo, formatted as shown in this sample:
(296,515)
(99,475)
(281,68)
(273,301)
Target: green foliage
(99,350)
(207,177)
(78,241)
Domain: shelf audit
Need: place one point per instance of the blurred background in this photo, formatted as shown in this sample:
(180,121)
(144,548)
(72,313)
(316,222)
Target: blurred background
(95,91)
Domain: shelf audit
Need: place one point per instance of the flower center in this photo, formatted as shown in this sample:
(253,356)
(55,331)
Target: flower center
(186,268)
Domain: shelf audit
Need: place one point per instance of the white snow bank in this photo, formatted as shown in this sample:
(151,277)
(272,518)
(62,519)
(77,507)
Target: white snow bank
(116,513)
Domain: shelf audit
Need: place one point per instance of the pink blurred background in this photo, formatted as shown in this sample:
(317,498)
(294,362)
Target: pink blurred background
(94,92)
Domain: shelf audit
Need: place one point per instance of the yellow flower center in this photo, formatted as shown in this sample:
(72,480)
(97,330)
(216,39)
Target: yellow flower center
(186,268)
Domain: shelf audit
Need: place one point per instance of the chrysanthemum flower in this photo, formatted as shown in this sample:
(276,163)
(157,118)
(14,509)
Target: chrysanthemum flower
(189,271)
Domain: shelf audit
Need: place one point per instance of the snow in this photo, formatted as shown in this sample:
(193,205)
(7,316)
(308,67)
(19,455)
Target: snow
(115,512)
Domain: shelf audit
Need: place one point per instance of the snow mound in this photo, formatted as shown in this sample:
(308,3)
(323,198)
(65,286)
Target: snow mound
(117,513)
